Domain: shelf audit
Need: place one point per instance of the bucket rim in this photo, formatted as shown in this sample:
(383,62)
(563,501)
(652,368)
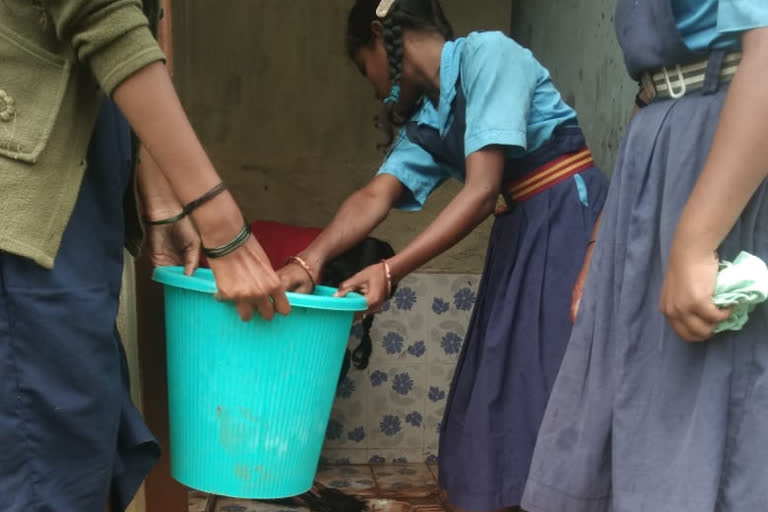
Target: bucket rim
(203,281)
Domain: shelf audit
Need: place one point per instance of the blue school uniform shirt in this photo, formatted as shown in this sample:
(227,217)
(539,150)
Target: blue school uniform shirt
(510,102)
(718,24)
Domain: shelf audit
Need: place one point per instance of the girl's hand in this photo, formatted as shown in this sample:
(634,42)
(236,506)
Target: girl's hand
(686,297)
(578,287)
(247,278)
(175,244)
(295,279)
(372,283)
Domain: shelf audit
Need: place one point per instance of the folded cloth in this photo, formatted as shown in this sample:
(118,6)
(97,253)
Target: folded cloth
(741,285)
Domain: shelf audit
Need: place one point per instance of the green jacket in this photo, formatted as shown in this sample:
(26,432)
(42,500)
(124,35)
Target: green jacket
(57,60)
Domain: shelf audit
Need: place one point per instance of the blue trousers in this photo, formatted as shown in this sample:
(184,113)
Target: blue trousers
(69,434)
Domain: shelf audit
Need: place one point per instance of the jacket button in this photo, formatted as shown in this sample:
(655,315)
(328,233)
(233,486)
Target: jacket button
(7,106)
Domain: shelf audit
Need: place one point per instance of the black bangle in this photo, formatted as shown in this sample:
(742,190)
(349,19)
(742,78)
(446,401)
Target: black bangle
(190,207)
(240,239)
(193,205)
(169,220)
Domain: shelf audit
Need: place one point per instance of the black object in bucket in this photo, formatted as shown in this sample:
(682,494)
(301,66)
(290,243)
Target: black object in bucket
(325,499)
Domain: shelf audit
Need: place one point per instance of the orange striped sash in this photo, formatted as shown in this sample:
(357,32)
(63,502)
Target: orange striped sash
(548,175)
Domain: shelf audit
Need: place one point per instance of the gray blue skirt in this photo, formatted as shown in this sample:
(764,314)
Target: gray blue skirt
(640,420)
(517,335)
(69,433)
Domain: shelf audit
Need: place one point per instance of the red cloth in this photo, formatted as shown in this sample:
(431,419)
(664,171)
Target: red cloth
(280,241)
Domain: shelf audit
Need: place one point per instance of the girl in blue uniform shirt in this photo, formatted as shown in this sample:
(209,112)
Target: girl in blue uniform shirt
(483,111)
(650,410)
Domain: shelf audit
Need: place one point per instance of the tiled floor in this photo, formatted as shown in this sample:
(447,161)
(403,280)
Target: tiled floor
(408,488)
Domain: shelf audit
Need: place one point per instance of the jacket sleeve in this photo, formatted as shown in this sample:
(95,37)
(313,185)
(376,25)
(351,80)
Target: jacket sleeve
(111,36)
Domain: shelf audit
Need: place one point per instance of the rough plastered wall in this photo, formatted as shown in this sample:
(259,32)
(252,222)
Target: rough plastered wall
(287,119)
(575,39)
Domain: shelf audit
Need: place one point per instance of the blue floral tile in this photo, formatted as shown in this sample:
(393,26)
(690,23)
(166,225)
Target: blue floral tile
(444,339)
(402,383)
(390,425)
(377,459)
(405,298)
(436,394)
(346,388)
(415,418)
(418,349)
(356,435)
(464,299)
(392,343)
(454,296)
(350,410)
(440,306)
(390,404)
(391,411)
(451,343)
(387,457)
(335,430)
(378,378)
(439,384)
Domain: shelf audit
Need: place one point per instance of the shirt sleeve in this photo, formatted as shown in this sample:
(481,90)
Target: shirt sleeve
(111,36)
(415,168)
(499,80)
(741,15)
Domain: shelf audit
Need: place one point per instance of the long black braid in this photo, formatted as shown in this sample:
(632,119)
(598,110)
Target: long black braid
(404,14)
(393,43)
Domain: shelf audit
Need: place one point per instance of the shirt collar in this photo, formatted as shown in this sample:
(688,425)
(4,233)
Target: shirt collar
(440,118)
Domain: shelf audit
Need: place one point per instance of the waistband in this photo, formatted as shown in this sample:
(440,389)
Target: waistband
(675,82)
(544,177)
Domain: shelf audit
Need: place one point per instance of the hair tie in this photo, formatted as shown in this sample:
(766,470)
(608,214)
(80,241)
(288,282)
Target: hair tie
(394,95)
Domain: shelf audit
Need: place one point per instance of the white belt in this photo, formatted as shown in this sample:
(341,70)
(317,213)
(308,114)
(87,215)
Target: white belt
(681,80)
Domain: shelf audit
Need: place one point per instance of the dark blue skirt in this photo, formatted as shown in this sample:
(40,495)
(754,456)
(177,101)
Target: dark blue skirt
(69,433)
(517,337)
(640,420)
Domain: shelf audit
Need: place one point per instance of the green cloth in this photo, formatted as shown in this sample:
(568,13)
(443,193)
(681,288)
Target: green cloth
(742,285)
(58,58)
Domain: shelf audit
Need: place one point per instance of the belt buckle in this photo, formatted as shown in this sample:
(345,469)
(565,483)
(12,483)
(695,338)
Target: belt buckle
(646,82)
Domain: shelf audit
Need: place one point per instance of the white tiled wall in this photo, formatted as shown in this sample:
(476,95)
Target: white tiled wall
(391,411)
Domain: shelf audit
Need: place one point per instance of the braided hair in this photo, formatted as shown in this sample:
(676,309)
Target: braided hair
(404,14)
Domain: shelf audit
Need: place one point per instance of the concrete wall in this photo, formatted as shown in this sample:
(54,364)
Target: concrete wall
(576,41)
(287,119)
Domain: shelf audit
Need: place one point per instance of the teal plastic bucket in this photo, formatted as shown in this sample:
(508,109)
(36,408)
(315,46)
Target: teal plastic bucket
(250,401)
